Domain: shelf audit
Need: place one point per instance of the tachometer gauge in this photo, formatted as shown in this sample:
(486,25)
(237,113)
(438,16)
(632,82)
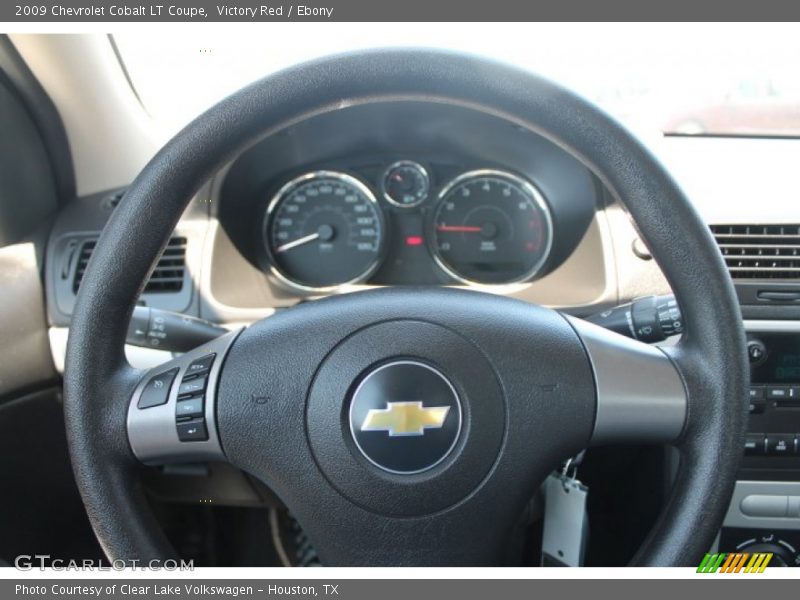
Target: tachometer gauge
(491,227)
(323,230)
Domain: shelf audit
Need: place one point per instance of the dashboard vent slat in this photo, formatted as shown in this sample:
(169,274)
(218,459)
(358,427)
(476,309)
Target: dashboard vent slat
(167,276)
(760,251)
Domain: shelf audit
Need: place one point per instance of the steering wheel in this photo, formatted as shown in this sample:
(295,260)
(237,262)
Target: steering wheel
(406,426)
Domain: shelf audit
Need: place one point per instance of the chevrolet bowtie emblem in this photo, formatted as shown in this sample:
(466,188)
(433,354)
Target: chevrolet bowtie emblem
(405,418)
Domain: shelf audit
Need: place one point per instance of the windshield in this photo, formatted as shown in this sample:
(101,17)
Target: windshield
(678,79)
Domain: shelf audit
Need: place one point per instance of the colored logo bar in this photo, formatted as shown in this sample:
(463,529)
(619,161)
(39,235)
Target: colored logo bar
(735,562)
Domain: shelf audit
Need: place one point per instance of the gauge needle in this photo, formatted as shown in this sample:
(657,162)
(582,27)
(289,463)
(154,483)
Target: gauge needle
(458,228)
(298,242)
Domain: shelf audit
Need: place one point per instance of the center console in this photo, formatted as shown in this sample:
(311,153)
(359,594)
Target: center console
(764,515)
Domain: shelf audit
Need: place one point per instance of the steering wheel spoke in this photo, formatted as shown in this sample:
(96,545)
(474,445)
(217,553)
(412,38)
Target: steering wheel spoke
(172,413)
(641,395)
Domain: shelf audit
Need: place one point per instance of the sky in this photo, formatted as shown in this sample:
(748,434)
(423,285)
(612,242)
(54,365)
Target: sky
(644,74)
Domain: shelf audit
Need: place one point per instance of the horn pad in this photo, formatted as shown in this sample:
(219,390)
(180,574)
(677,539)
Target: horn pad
(405,417)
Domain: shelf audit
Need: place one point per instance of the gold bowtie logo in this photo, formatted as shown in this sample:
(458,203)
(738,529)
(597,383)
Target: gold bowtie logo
(405,418)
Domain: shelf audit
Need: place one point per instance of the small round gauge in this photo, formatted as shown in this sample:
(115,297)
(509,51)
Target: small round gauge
(323,230)
(491,228)
(406,184)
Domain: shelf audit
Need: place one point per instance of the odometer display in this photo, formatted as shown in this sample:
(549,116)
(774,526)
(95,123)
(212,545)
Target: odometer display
(323,230)
(490,228)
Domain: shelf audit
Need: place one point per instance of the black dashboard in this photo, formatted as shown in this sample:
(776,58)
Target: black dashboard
(405,193)
(401,192)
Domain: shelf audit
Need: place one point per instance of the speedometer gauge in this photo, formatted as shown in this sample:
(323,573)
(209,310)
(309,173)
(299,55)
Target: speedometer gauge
(323,230)
(491,227)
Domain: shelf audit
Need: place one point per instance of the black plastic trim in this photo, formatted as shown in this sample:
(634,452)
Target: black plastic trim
(45,117)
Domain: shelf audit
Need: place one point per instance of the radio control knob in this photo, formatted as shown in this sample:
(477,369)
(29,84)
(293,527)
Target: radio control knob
(756,351)
(782,556)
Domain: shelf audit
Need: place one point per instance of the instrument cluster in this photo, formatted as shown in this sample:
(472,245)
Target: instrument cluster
(407,223)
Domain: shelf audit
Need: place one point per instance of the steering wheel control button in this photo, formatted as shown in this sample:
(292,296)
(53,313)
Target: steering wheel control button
(755,445)
(193,407)
(156,392)
(192,387)
(189,413)
(201,366)
(192,431)
(405,417)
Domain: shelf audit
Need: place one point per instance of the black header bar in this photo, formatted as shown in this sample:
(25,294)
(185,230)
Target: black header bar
(243,11)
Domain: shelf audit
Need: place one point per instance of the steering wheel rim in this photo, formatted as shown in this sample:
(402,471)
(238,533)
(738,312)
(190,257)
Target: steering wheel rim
(711,357)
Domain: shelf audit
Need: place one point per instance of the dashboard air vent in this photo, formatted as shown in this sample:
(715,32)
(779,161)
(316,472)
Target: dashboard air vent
(760,251)
(167,277)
